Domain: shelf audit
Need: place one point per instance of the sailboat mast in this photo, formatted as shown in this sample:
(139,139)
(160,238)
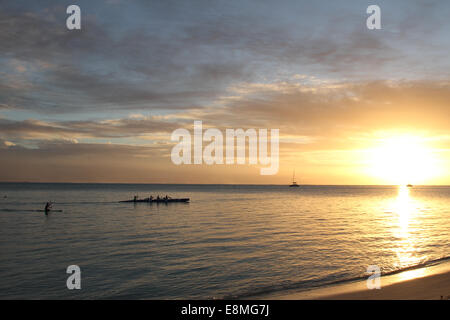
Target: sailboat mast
(294,183)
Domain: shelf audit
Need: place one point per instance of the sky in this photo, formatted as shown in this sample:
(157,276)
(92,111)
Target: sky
(352,105)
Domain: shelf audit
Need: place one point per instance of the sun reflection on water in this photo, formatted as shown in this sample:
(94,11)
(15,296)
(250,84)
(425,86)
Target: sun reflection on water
(403,208)
(406,213)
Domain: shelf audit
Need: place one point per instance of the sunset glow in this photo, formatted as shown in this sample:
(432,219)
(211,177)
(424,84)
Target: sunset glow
(403,160)
(352,105)
(225,150)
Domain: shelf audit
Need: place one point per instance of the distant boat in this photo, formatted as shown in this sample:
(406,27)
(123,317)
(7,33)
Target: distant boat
(294,183)
(409,185)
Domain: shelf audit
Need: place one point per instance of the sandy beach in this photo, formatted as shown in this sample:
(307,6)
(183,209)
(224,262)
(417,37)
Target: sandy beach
(432,287)
(431,283)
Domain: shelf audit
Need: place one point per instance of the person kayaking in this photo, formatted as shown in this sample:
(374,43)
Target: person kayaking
(48,207)
(135,198)
(151,198)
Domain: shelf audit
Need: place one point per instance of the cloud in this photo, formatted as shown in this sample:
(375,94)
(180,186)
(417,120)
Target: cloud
(96,70)
(8,143)
(330,108)
(310,69)
(175,59)
(31,129)
(324,110)
(62,162)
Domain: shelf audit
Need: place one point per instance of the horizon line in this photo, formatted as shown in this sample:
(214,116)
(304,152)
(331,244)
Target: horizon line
(224,184)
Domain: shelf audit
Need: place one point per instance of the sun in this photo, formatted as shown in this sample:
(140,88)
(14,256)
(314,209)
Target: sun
(401,160)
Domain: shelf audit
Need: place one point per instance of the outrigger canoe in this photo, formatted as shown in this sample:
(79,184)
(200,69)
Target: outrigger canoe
(147,200)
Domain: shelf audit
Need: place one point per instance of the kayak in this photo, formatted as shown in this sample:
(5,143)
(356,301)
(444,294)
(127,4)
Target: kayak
(49,210)
(147,200)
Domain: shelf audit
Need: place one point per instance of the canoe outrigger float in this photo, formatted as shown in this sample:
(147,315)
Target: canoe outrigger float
(148,200)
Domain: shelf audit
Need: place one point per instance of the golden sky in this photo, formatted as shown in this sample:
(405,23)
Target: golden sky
(353,106)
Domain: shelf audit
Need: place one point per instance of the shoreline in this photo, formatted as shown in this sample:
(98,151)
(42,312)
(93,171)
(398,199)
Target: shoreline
(426,283)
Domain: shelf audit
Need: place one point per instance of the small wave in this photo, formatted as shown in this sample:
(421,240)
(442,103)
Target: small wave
(322,282)
(41,203)
(28,210)
(17,210)
(424,264)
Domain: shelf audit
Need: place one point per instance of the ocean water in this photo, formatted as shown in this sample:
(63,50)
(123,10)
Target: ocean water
(228,242)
